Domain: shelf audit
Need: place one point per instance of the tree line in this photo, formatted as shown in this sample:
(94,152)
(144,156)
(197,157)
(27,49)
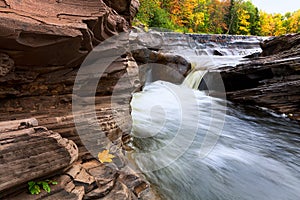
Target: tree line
(236,17)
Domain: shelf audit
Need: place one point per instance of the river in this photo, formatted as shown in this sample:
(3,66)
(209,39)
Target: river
(191,146)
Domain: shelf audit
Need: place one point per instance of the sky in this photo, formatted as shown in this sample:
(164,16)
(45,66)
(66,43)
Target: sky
(277,6)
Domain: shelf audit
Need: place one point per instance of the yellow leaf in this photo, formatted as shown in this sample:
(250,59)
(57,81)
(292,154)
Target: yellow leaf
(105,156)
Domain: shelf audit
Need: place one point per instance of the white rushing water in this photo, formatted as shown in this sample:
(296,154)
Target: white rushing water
(192,146)
(251,157)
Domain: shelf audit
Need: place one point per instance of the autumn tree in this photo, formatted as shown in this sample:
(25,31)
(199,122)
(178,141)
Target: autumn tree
(176,11)
(217,16)
(188,8)
(243,22)
(294,22)
(279,28)
(267,24)
(201,17)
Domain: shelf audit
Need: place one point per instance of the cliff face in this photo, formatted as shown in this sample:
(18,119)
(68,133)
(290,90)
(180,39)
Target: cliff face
(41,42)
(42,45)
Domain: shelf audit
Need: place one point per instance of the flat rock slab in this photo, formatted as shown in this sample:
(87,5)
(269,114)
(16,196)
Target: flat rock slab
(29,152)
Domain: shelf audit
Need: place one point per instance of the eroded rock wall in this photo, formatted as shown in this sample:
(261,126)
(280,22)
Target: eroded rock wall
(42,46)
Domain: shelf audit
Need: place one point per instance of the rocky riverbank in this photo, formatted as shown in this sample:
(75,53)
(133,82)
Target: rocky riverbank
(42,46)
(270,79)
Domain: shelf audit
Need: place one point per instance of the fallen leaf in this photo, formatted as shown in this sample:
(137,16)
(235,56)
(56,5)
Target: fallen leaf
(105,156)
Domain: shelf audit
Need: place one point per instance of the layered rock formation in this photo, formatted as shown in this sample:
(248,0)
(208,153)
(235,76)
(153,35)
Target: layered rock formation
(271,80)
(29,151)
(42,46)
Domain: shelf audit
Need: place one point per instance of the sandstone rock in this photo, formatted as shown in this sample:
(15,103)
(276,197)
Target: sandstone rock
(6,64)
(120,191)
(29,153)
(133,181)
(79,174)
(43,44)
(65,189)
(126,8)
(90,164)
(84,177)
(104,174)
(15,125)
(100,192)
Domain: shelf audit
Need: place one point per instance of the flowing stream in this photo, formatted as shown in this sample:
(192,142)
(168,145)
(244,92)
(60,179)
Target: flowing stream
(191,146)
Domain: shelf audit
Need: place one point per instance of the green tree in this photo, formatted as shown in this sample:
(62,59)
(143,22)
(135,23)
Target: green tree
(151,14)
(161,19)
(254,17)
(232,20)
(201,17)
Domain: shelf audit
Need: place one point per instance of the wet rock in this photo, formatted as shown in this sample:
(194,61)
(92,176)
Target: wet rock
(161,66)
(153,63)
(104,174)
(100,191)
(133,181)
(120,191)
(270,80)
(277,45)
(217,53)
(84,177)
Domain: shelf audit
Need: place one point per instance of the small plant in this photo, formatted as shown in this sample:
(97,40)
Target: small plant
(35,187)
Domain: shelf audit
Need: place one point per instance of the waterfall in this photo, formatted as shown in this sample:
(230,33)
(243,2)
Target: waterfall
(199,66)
(198,70)
(193,79)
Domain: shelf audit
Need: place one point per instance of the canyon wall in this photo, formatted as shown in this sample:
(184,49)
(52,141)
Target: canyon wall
(42,46)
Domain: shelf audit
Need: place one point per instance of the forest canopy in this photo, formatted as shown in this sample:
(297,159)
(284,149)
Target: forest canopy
(239,17)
